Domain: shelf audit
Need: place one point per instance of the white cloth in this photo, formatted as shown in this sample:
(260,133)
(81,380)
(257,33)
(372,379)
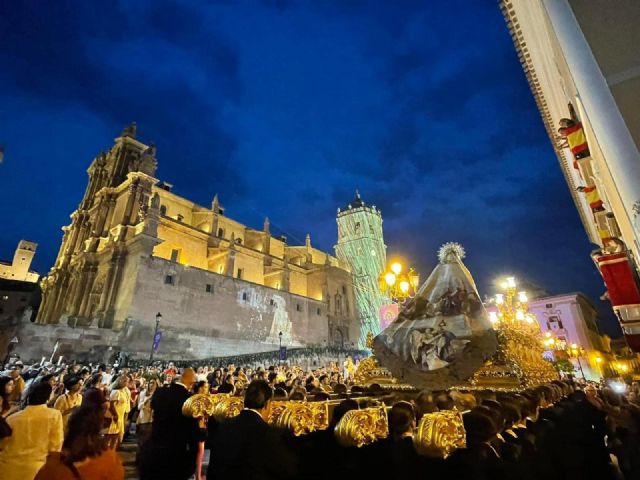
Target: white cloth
(144,407)
(37,430)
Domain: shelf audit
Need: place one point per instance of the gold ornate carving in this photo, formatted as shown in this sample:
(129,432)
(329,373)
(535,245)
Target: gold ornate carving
(226,406)
(277,407)
(320,415)
(518,362)
(297,417)
(199,405)
(369,340)
(361,427)
(365,370)
(439,434)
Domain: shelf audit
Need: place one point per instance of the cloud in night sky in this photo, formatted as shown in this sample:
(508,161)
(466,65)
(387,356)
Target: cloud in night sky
(284,108)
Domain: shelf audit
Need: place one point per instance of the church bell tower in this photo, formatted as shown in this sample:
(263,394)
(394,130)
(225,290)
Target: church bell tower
(361,246)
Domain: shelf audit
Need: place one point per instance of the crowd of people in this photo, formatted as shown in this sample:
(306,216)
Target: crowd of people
(68,422)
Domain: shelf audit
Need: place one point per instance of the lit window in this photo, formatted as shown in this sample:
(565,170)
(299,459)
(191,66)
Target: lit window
(5,297)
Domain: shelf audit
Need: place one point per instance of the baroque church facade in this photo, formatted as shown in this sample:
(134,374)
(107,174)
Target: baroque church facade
(134,249)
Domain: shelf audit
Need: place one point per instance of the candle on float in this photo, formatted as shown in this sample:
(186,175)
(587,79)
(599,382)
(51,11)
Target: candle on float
(42,361)
(59,360)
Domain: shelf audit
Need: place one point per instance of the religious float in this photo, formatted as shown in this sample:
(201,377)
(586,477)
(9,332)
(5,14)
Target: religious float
(443,339)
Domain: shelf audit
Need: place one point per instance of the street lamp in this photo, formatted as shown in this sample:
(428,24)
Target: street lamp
(399,284)
(576,351)
(513,309)
(155,335)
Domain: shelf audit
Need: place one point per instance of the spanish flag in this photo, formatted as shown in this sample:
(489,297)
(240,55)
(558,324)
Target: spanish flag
(593,197)
(577,141)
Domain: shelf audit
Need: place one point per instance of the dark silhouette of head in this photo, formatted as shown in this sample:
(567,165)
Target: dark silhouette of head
(402,419)
(258,395)
(40,394)
(341,409)
(83,434)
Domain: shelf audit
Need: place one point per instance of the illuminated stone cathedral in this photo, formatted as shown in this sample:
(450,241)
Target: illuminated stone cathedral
(134,248)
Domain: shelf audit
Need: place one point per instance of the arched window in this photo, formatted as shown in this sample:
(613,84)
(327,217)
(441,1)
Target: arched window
(338,304)
(163,210)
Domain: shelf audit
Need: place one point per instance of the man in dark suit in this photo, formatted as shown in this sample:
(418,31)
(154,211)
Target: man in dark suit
(171,450)
(245,447)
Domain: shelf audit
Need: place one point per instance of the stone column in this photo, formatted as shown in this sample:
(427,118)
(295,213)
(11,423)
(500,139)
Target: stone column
(106,226)
(112,284)
(89,279)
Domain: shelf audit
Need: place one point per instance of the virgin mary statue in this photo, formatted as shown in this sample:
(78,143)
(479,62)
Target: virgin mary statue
(443,335)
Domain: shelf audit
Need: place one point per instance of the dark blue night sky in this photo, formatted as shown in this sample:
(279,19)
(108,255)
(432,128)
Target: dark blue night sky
(284,108)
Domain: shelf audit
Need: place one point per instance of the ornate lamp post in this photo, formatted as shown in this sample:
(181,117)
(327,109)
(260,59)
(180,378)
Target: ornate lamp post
(397,284)
(513,307)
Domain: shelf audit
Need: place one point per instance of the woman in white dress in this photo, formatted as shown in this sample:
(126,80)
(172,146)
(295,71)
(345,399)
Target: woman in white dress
(145,418)
(117,411)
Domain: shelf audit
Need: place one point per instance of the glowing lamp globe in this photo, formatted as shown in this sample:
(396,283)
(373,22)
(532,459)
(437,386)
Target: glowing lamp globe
(390,278)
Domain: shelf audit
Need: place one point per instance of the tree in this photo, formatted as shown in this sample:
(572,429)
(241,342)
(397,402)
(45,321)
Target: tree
(563,366)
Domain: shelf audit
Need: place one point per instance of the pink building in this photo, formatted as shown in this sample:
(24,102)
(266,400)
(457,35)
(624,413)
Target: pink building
(572,319)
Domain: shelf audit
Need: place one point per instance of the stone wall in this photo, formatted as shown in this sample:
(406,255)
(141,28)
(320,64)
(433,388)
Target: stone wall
(233,317)
(236,314)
